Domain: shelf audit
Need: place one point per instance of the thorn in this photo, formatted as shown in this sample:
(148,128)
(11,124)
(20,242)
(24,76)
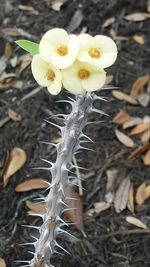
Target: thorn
(35,238)
(70,209)
(57,245)
(41,168)
(63,203)
(48,143)
(50,248)
(100,98)
(110,88)
(54,124)
(36,214)
(73,100)
(91,122)
(85,136)
(99,111)
(31,226)
(61,231)
(31,253)
(65,101)
(72,198)
(61,220)
(86,148)
(47,161)
(76,166)
(27,244)
(23,262)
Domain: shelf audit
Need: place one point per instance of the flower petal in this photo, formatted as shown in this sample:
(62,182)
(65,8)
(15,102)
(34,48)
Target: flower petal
(39,68)
(86,41)
(70,79)
(108,50)
(55,87)
(95,81)
(73,83)
(49,42)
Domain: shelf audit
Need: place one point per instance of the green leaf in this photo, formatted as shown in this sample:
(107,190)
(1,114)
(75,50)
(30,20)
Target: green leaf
(31,47)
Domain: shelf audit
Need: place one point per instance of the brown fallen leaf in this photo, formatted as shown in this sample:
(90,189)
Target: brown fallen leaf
(140,128)
(16,32)
(138,16)
(146,119)
(57,4)
(122,96)
(139,150)
(8,51)
(138,85)
(145,136)
(136,222)
(146,158)
(24,64)
(38,208)
(121,117)
(108,22)
(140,194)
(131,199)
(139,39)
(14,115)
(148,6)
(76,215)
(35,183)
(121,196)
(132,122)
(28,9)
(111,178)
(99,207)
(2,262)
(144,99)
(147,192)
(7,83)
(109,79)
(17,158)
(124,139)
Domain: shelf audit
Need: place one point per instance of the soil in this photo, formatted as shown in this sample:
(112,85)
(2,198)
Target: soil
(110,241)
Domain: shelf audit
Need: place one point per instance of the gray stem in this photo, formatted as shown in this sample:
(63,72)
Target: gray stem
(51,228)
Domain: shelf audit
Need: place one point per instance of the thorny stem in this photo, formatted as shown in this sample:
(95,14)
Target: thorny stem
(51,228)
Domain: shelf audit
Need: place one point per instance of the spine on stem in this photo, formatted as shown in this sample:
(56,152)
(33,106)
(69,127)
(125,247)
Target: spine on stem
(46,245)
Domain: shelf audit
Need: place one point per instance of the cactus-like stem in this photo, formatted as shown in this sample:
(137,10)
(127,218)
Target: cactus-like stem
(52,224)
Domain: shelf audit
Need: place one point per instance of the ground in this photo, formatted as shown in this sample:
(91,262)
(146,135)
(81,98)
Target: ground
(102,246)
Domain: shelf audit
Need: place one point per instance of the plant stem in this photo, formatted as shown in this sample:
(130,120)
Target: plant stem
(52,224)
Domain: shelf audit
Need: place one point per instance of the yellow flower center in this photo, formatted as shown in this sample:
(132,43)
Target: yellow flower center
(83,74)
(50,75)
(94,52)
(62,50)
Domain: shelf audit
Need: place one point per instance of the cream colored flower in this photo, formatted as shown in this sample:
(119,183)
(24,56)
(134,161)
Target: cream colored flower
(99,50)
(46,75)
(83,77)
(59,48)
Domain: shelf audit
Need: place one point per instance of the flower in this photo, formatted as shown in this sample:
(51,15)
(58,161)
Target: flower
(46,75)
(59,48)
(99,50)
(81,77)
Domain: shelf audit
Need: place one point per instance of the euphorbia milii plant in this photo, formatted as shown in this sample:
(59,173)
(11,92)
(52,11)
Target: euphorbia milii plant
(75,63)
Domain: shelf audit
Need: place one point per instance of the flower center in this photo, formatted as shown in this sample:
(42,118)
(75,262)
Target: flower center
(94,52)
(83,74)
(62,50)
(50,75)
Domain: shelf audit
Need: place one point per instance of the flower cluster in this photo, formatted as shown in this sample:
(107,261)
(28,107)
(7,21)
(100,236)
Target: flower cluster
(75,62)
